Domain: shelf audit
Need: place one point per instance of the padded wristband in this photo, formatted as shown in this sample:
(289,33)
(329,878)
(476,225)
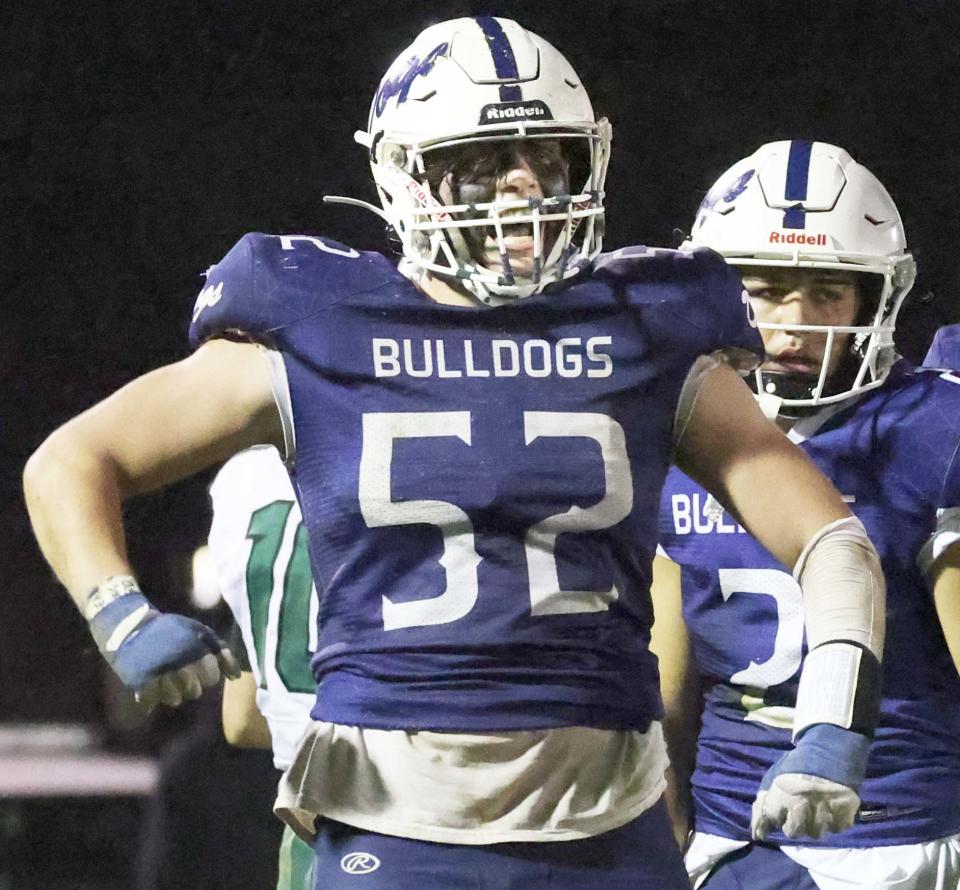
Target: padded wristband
(107,592)
(839,685)
(146,648)
(115,622)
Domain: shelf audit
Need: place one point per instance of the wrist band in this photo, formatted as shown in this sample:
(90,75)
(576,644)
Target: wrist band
(840,685)
(108,591)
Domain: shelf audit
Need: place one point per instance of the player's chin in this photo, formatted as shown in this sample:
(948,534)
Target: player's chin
(519,268)
(519,253)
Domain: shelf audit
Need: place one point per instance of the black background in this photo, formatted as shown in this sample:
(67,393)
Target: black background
(138,142)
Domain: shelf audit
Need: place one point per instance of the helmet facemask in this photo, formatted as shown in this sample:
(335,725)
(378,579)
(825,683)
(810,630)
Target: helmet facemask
(442,201)
(870,353)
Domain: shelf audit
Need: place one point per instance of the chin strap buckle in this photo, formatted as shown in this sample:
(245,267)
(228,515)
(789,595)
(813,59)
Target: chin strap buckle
(769,404)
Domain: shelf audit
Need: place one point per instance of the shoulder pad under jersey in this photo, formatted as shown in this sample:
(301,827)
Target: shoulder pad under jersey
(913,423)
(640,263)
(267,282)
(930,388)
(694,297)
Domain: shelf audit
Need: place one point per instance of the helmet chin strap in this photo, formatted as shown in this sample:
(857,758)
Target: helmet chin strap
(487,297)
(416,275)
(776,387)
(518,286)
(770,404)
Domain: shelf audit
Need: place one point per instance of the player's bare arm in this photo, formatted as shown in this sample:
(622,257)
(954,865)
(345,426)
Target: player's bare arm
(946,594)
(790,507)
(679,687)
(160,428)
(787,504)
(731,449)
(243,724)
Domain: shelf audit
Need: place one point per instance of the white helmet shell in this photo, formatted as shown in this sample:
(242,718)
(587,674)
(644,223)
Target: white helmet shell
(468,73)
(484,79)
(809,204)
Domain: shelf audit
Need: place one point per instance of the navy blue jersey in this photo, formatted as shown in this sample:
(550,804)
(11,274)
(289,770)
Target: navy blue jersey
(894,456)
(480,486)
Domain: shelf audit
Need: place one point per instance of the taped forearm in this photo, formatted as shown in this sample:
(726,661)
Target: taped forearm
(843,587)
(843,591)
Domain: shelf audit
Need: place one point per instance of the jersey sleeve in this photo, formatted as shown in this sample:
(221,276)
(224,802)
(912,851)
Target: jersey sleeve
(692,301)
(226,302)
(722,313)
(268,284)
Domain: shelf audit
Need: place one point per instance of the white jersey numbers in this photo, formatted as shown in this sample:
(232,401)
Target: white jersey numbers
(288,242)
(784,663)
(546,595)
(460,558)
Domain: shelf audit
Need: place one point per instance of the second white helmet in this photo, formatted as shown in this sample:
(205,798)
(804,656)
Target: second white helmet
(809,204)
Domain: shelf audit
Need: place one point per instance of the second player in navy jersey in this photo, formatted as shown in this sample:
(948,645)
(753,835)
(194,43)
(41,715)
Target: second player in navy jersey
(888,436)
(478,440)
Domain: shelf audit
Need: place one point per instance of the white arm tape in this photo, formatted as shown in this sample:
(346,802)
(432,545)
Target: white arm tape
(106,592)
(843,588)
(843,597)
(828,686)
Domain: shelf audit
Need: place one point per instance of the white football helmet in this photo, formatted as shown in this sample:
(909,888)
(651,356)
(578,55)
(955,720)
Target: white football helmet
(809,204)
(460,86)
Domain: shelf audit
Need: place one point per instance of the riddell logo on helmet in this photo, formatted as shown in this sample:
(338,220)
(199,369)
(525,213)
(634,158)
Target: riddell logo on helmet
(424,198)
(798,238)
(515,111)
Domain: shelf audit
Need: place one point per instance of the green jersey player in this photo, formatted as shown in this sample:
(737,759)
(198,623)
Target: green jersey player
(259,547)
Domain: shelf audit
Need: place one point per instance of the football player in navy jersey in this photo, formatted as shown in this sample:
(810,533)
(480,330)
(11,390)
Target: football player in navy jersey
(478,440)
(823,255)
(944,353)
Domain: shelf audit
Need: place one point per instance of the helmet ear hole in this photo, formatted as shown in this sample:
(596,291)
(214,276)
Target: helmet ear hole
(870,290)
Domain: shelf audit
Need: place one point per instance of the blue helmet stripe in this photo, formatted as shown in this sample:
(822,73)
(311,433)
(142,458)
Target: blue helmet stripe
(798,170)
(798,173)
(794,218)
(504,61)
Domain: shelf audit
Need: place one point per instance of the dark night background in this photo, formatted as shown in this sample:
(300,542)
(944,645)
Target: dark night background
(138,142)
